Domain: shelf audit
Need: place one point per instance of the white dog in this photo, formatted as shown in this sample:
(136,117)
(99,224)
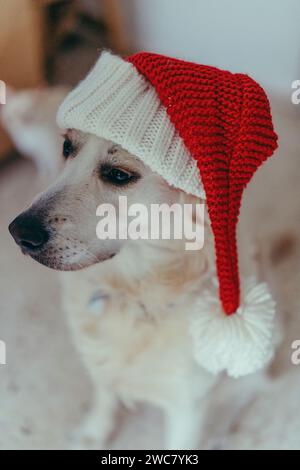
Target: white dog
(129,311)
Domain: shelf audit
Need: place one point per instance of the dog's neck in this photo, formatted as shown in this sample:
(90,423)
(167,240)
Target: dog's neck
(145,281)
(155,274)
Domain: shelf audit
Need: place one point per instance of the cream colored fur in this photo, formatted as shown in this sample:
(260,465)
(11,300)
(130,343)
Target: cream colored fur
(134,340)
(137,347)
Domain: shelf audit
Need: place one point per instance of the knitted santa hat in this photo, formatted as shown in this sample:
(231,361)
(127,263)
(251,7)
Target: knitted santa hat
(206,131)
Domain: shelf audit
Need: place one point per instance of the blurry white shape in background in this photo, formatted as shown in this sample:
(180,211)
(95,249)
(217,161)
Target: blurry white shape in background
(29,117)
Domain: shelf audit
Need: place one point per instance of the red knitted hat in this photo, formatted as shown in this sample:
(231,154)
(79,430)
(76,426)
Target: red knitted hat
(225,122)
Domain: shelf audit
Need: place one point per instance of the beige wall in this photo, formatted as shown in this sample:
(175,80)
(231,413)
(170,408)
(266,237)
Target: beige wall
(21,48)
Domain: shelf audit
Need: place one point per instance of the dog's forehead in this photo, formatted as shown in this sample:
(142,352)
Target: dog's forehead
(98,149)
(89,141)
(76,136)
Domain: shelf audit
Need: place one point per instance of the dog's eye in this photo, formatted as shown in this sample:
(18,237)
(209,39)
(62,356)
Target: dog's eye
(67,148)
(117,176)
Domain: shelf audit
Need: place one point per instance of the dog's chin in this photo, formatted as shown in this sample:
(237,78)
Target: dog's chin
(59,265)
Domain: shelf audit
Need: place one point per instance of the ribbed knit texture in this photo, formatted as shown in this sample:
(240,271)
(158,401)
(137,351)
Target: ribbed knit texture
(225,122)
(116,103)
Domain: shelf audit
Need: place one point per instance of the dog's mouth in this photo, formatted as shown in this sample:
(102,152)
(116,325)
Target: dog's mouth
(47,246)
(60,264)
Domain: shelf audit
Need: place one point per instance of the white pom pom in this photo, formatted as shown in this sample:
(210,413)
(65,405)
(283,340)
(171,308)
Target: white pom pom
(240,343)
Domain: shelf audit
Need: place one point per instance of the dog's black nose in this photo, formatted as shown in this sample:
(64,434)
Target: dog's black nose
(28,232)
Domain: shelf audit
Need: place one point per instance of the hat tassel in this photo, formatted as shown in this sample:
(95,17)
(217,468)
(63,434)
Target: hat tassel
(240,343)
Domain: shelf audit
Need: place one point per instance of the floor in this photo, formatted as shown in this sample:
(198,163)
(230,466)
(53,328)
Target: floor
(44,391)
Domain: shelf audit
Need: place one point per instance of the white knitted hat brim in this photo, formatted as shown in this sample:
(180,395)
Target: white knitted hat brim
(117,103)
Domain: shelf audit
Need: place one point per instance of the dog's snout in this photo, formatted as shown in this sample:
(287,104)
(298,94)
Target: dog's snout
(28,232)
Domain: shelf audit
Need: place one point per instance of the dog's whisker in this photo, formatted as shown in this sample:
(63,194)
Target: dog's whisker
(83,250)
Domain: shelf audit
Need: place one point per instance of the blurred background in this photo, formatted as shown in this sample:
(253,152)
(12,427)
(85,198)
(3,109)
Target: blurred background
(46,47)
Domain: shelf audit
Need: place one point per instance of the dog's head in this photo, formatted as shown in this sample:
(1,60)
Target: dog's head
(59,228)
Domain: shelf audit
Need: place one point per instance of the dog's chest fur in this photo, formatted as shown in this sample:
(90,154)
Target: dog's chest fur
(134,341)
